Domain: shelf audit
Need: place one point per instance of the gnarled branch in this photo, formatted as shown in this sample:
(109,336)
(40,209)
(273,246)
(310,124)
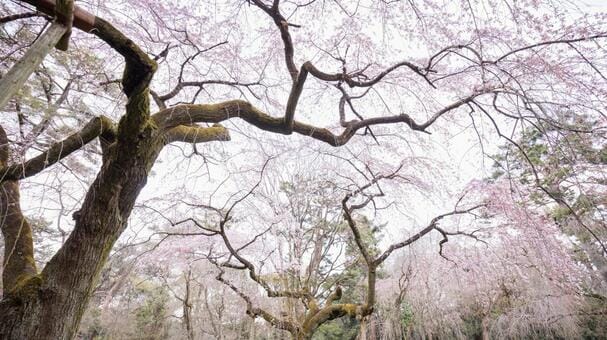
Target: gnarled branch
(215,113)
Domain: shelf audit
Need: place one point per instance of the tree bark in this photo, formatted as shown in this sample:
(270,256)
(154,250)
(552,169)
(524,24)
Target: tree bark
(187,307)
(18,265)
(19,262)
(49,305)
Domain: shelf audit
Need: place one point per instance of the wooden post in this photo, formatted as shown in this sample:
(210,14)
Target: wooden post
(16,77)
(65,15)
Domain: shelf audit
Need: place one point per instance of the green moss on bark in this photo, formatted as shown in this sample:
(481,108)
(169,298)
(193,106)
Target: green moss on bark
(26,287)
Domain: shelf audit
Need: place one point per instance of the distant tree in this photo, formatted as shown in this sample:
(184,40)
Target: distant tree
(332,265)
(516,285)
(567,169)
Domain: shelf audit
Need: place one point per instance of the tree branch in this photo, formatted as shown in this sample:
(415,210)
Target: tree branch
(65,15)
(201,83)
(9,18)
(352,82)
(215,113)
(197,134)
(98,126)
(283,27)
(253,311)
(431,226)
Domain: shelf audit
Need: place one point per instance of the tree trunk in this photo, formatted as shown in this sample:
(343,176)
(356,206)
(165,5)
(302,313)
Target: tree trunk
(50,305)
(485,329)
(187,307)
(19,263)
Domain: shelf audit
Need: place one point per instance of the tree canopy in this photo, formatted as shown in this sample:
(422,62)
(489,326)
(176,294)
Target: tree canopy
(365,169)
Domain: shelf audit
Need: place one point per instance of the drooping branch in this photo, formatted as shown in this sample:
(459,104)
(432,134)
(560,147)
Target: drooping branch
(38,128)
(445,234)
(551,42)
(433,225)
(283,26)
(242,263)
(372,262)
(298,77)
(255,311)
(356,233)
(183,84)
(538,181)
(352,78)
(252,271)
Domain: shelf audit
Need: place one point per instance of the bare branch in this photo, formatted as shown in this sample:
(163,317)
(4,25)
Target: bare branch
(431,226)
(283,27)
(551,42)
(98,127)
(9,18)
(254,311)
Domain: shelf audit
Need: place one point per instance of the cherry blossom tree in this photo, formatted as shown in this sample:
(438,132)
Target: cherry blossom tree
(168,73)
(567,168)
(298,250)
(510,287)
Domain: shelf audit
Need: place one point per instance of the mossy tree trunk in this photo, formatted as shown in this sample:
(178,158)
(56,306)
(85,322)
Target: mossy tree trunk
(50,304)
(18,250)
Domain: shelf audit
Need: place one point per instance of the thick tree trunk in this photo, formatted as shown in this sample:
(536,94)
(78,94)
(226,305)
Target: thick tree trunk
(18,263)
(50,305)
